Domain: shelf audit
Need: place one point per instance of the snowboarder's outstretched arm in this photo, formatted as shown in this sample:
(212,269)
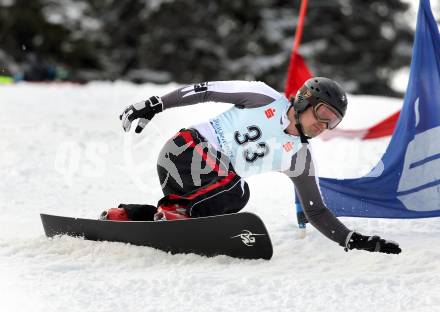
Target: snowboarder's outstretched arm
(243,94)
(302,173)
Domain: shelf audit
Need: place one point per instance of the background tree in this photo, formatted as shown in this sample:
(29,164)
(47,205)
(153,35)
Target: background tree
(360,43)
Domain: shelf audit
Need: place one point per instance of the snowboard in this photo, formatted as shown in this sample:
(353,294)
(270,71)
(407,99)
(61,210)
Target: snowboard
(240,235)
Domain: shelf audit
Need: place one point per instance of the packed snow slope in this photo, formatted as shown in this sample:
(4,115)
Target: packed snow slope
(63,152)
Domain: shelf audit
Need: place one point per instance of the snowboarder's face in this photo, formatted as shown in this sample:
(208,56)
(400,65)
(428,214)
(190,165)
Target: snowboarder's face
(311,125)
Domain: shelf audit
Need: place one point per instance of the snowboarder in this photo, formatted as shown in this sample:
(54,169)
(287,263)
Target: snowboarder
(202,168)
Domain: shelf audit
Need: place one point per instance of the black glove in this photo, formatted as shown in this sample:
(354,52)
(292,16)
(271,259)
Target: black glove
(371,243)
(144,111)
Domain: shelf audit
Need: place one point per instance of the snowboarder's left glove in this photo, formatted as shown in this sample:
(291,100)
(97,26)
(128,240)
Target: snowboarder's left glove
(144,111)
(371,243)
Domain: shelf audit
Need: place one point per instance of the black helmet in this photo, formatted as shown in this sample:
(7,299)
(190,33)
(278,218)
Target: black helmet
(320,89)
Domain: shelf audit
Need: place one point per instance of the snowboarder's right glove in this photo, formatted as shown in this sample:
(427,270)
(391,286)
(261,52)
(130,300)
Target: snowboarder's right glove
(144,111)
(371,243)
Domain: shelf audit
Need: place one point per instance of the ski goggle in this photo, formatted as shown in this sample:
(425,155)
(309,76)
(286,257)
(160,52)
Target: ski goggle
(325,113)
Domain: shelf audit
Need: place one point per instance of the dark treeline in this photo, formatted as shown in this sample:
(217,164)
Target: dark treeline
(359,43)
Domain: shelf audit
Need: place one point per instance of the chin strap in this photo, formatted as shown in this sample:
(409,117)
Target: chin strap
(304,138)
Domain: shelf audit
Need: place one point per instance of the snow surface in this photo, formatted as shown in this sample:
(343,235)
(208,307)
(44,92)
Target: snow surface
(63,151)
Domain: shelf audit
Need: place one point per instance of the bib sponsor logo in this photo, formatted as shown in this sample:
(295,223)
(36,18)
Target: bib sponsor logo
(269,113)
(288,146)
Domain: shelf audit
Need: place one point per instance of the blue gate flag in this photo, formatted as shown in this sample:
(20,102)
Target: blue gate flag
(406,182)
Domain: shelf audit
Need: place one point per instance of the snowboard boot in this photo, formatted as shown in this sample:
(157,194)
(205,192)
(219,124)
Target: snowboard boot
(171,212)
(114,214)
